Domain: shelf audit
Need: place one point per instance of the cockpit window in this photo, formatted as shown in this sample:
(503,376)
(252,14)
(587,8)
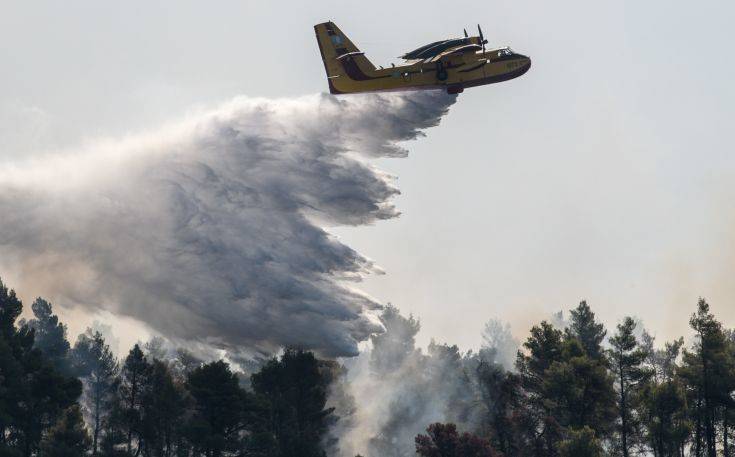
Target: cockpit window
(505,52)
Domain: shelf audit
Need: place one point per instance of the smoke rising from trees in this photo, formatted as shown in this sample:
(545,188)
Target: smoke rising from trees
(213,231)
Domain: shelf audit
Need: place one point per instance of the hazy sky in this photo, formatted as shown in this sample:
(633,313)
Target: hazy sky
(605,173)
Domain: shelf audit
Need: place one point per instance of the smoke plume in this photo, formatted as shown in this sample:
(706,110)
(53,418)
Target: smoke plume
(399,389)
(213,230)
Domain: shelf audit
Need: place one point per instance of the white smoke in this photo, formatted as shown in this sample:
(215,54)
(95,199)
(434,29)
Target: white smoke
(212,231)
(399,390)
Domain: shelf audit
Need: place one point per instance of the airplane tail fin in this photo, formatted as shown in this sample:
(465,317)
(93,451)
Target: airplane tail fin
(342,59)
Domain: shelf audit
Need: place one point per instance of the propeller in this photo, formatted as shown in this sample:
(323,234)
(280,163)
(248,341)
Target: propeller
(465,33)
(483,41)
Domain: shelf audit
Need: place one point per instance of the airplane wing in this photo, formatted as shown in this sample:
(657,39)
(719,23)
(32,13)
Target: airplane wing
(456,50)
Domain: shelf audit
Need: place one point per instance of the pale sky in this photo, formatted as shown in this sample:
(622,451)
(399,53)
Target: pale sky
(605,173)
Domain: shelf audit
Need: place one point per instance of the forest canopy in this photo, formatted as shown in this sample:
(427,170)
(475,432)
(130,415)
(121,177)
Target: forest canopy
(574,388)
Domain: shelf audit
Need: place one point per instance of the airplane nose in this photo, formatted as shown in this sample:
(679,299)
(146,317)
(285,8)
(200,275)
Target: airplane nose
(526,61)
(526,65)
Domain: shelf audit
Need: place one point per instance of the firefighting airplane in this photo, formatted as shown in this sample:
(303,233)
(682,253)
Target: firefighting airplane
(453,64)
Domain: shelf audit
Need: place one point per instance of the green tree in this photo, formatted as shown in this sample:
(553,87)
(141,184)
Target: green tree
(627,365)
(708,374)
(566,383)
(541,430)
(580,388)
(50,335)
(295,391)
(96,364)
(68,438)
(33,393)
(500,392)
(132,380)
(12,388)
(220,409)
(581,443)
(664,413)
(162,407)
(587,330)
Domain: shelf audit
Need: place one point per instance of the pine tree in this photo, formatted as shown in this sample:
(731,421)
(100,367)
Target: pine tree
(220,409)
(661,362)
(501,396)
(541,429)
(708,373)
(33,393)
(50,335)
(581,390)
(295,391)
(626,360)
(12,387)
(589,332)
(162,406)
(664,413)
(69,438)
(581,443)
(132,380)
(566,381)
(96,364)
(393,346)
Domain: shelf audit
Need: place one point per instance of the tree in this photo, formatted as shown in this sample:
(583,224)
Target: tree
(708,373)
(664,412)
(220,409)
(162,406)
(184,363)
(499,344)
(395,361)
(663,407)
(445,372)
(96,364)
(50,335)
(132,379)
(661,362)
(589,332)
(626,361)
(295,389)
(581,443)
(155,348)
(443,440)
(566,383)
(581,390)
(69,438)
(393,346)
(12,388)
(543,349)
(33,393)
(502,398)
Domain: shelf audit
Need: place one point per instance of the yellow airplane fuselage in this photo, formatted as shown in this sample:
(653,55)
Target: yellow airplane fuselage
(460,67)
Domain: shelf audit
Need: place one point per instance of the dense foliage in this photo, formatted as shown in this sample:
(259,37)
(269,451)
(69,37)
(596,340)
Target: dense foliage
(573,390)
(574,393)
(150,407)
